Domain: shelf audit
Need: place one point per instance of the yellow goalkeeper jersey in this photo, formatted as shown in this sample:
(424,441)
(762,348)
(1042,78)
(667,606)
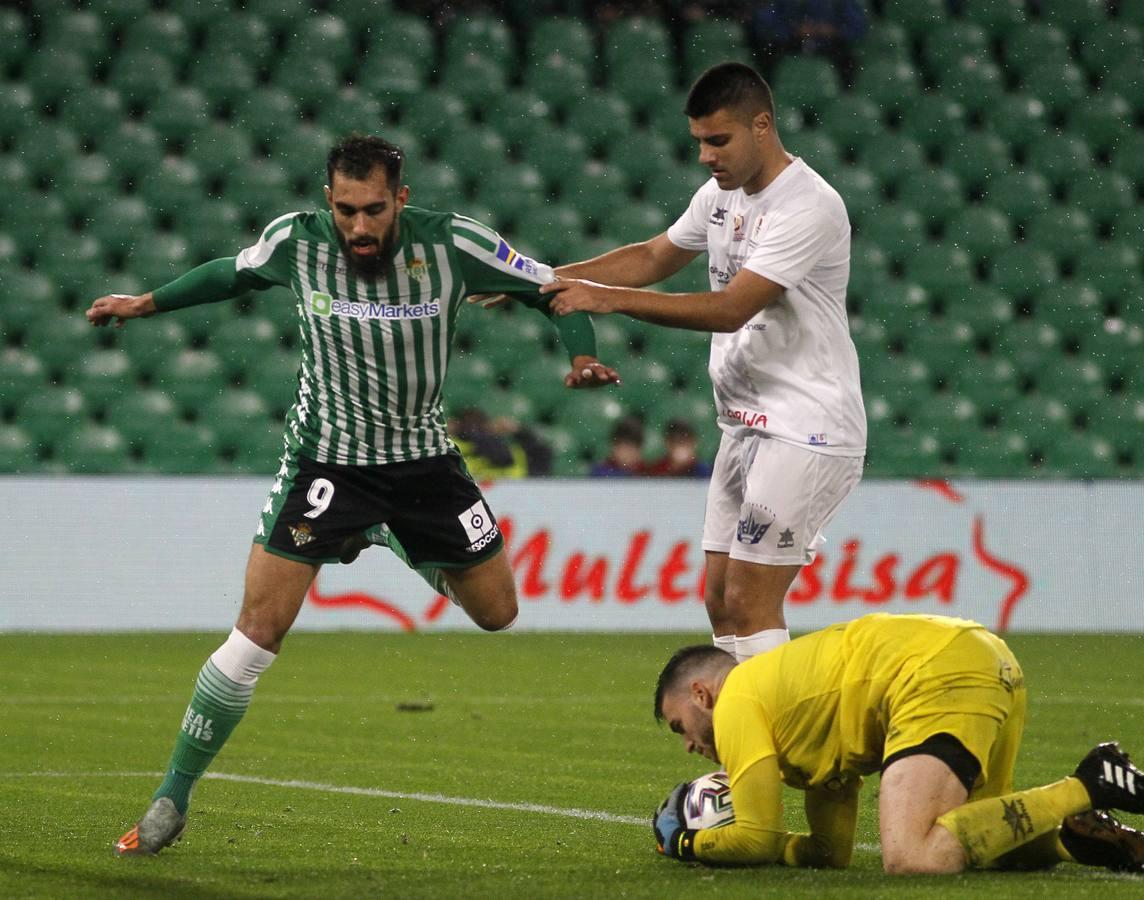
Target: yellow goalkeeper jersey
(821,704)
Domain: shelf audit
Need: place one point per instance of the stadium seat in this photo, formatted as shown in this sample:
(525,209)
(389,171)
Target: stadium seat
(235,414)
(1073,16)
(224,79)
(159,259)
(668,121)
(859,191)
(558,81)
(1078,382)
(52,73)
(1022,270)
(898,230)
(153,346)
(120,223)
(181,448)
(1118,346)
(275,379)
(483,36)
(1023,194)
(944,344)
(596,190)
(910,453)
(977,157)
(191,378)
(352,109)
(1060,158)
(142,77)
(18,453)
(82,275)
(600,118)
(974,82)
(992,384)
(1065,232)
(1074,308)
(1029,344)
(139,411)
(1059,87)
(633,222)
(546,229)
(173,185)
(162,32)
(935,121)
(890,84)
(45,146)
(1102,120)
(259,451)
(851,121)
(1114,269)
(240,31)
(322,36)
(464,76)
(433,118)
(805,82)
(890,158)
(984,309)
(16,37)
(918,17)
(948,417)
(1034,44)
(243,342)
(590,416)
(888,40)
(941,268)
(641,155)
(93,450)
(318,82)
(993,454)
(89,110)
(49,413)
(982,230)
(85,184)
(397,33)
(474,151)
(216,149)
(998,17)
(104,376)
(1018,119)
(818,150)
(22,373)
(1103,44)
(562,34)
(260,188)
(1120,421)
(17,109)
(636,37)
(936,194)
(643,84)
(57,337)
(1038,417)
(1080,456)
(1102,193)
(135,148)
(710,41)
(943,48)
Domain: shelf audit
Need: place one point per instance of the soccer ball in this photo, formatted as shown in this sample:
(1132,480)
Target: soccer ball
(707,803)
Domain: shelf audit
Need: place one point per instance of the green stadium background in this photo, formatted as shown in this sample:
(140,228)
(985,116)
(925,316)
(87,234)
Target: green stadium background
(992,163)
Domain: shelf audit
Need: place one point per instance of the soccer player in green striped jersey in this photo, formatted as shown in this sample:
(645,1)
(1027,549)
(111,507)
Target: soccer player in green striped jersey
(378,286)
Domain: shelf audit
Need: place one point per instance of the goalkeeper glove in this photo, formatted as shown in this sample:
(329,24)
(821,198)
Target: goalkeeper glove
(671,838)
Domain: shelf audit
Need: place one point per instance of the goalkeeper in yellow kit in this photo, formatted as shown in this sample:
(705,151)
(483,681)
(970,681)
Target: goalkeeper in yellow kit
(936,704)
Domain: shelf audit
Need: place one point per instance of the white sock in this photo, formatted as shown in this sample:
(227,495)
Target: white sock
(759,642)
(240,659)
(725,642)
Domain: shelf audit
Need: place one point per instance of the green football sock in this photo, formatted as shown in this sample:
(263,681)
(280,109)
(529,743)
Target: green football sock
(217,706)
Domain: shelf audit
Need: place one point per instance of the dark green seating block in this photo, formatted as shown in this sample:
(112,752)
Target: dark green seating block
(890,84)
(891,157)
(1029,344)
(906,453)
(483,36)
(941,268)
(15,35)
(806,82)
(240,31)
(163,32)
(986,310)
(142,77)
(516,115)
(943,48)
(1060,158)
(141,411)
(57,338)
(1021,193)
(1018,119)
(859,190)
(1075,309)
(90,111)
(600,118)
(182,448)
(558,80)
(1023,270)
(49,413)
(243,342)
(643,84)
(266,114)
(18,107)
(192,378)
(214,228)
(93,450)
(554,152)
(993,454)
(974,82)
(1078,382)
(1120,421)
(546,228)
(1102,45)
(1059,87)
(18,452)
(1038,417)
(590,416)
(29,297)
(104,376)
(982,230)
(275,379)
(992,385)
(1064,231)
(898,230)
(1074,16)
(175,184)
(977,157)
(135,148)
(597,190)
(1102,193)
(1080,455)
(540,377)
(1035,43)
(944,344)
(1118,346)
(671,190)
(562,34)
(85,184)
(935,121)
(322,36)
(634,222)
(918,17)
(474,151)
(869,269)
(51,74)
(21,373)
(642,155)
(260,451)
(1115,269)
(235,414)
(1104,120)
(409,35)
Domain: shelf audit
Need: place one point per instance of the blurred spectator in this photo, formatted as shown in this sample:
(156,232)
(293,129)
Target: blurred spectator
(830,28)
(626,454)
(498,448)
(681,456)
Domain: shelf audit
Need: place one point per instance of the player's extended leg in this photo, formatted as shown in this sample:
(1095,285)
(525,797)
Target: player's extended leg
(714,587)
(753,597)
(486,592)
(275,589)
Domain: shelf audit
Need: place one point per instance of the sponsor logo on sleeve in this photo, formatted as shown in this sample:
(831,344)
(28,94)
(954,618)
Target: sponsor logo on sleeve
(521,263)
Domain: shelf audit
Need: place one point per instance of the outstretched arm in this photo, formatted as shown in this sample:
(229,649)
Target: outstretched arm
(634,265)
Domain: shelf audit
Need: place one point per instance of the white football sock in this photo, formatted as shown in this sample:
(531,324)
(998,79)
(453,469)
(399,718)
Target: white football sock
(759,642)
(240,659)
(725,642)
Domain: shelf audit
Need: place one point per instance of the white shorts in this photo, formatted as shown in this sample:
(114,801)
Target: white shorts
(769,500)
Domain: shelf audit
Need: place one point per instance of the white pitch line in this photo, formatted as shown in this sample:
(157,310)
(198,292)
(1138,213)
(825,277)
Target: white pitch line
(568,812)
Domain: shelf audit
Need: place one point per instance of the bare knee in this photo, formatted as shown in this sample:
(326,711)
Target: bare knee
(497,615)
(938,853)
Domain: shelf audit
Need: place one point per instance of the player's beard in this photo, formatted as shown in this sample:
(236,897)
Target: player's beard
(372,267)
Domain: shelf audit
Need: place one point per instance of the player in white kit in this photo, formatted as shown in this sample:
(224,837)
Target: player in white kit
(783,366)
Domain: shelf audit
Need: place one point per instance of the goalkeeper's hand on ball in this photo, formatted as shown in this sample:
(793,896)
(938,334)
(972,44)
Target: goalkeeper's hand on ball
(671,837)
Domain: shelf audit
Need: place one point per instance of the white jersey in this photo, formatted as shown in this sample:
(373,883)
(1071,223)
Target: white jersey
(791,372)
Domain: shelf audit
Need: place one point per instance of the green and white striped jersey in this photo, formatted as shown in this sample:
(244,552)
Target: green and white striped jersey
(375,352)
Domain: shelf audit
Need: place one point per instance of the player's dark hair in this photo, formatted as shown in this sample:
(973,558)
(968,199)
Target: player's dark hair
(683,665)
(357,155)
(732,86)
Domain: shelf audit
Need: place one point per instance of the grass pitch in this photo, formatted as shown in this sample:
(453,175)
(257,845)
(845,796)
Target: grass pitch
(341,782)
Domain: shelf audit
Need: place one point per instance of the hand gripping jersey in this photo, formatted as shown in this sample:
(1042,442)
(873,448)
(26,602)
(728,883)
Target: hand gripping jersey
(791,372)
(375,353)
